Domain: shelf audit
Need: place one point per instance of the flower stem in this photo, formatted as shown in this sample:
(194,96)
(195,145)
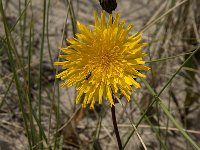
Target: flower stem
(115,127)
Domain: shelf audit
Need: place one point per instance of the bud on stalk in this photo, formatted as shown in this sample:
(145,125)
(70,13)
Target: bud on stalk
(108,5)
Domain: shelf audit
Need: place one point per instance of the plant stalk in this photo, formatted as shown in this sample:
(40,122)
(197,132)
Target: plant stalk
(115,127)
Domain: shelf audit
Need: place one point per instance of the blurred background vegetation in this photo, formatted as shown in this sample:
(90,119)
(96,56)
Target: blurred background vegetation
(36,114)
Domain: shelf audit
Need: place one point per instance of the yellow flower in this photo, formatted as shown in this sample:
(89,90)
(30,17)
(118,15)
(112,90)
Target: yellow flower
(102,61)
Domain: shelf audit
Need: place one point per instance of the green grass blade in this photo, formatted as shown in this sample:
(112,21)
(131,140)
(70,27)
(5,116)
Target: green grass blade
(17,82)
(190,140)
(32,126)
(169,81)
(8,88)
(156,130)
(165,59)
(41,70)
(155,95)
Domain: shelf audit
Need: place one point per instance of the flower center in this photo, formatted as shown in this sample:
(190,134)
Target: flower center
(106,59)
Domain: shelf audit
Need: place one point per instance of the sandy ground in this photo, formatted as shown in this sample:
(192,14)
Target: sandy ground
(12,135)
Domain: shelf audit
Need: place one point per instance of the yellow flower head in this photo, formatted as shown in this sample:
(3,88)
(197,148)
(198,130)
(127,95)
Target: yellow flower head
(102,61)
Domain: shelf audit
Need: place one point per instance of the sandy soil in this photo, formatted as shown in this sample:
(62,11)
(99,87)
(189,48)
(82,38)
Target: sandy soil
(12,134)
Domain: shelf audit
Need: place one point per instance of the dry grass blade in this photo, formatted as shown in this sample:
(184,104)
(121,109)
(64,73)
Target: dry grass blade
(160,17)
(37,114)
(142,142)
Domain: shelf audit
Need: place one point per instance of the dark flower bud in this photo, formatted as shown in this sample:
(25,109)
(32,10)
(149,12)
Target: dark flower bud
(108,5)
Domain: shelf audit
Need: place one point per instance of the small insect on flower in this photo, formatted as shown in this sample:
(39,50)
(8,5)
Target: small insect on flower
(102,61)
